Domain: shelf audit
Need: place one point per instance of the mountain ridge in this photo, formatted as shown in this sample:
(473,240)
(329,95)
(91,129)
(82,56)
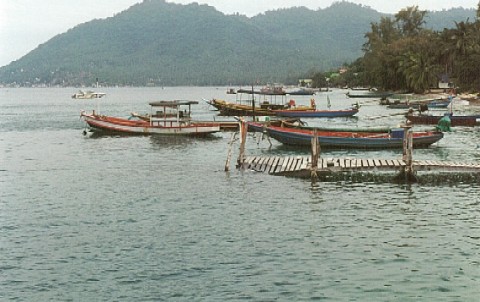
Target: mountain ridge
(161,43)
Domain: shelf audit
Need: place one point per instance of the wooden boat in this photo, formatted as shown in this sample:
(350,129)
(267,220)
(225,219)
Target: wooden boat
(439,103)
(300,91)
(456,120)
(233,109)
(350,139)
(269,89)
(167,118)
(317,113)
(281,110)
(301,125)
(231,125)
(88,95)
(421,105)
(381,95)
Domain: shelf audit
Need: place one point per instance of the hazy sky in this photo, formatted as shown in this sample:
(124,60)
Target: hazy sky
(24,24)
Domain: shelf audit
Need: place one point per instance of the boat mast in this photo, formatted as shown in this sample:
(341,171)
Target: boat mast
(253,103)
(96,96)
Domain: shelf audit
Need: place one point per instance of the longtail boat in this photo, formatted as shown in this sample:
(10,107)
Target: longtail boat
(381,95)
(167,118)
(456,120)
(317,113)
(349,139)
(233,109)
(288,110)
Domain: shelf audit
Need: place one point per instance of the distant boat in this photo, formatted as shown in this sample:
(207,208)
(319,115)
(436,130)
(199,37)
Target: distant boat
(88,95)
(360,88)
(439,103)
(424,104)
(281,110)
(317,113)
(270,89)
(381,95)
(351,139)
(166,119)
(273,89)
(456,120)
(300,91)
(237,109)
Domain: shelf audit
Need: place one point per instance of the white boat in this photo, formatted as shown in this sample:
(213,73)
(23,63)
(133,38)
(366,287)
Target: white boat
(166,117)
(88,95)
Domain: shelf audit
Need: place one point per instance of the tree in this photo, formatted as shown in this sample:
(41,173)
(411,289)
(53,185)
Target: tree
(420,71)
(410,20)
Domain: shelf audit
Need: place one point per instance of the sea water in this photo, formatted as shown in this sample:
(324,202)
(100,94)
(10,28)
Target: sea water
(151,218)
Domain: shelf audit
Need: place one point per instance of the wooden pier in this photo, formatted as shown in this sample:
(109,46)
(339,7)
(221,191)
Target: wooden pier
(315,167)
(301,166)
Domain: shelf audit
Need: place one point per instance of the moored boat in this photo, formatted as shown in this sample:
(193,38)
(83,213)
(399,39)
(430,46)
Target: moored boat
(381,95)
(351,139)
(317,113)
(234,109)
(88,95)
(456,120)
(300,91)
(290,110)
(439,103)
(167,118)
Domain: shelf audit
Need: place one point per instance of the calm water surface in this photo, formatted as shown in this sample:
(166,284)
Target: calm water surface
(115,218)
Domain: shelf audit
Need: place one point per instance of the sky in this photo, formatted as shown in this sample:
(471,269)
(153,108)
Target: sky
(25,24)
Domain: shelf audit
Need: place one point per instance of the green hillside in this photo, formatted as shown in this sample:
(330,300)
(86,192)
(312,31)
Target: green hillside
(160,43)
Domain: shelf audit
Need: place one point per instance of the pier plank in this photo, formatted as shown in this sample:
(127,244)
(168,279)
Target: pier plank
(273,166)
(299,163)
(258,164)
(305,162)
(291,164)
(279,165)
(348,163)
(286,162)
(267,164)
(322,163)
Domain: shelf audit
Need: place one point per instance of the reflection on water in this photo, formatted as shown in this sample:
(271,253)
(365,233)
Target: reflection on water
(152,218)
(174,139)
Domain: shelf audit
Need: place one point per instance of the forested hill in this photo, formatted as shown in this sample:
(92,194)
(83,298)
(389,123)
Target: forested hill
(160,43)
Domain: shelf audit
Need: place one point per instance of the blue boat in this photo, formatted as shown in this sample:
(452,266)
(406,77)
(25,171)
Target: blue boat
(422,105)
(351,139)
(439,103)
(456,120)
(381,95)
(317,113)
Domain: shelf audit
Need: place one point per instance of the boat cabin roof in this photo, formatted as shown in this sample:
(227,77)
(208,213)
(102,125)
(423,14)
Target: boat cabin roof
(174,103)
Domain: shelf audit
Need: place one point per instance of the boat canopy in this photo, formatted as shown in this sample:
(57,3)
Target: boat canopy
(174,103)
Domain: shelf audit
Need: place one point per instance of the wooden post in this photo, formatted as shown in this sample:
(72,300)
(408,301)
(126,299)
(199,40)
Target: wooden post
(408,171)
(315,154)
(253,103)
(229,155)
(265,134)
(243,138)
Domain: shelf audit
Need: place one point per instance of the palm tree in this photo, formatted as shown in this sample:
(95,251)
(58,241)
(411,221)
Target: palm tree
(420,71)
(410,20)
(460,37)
